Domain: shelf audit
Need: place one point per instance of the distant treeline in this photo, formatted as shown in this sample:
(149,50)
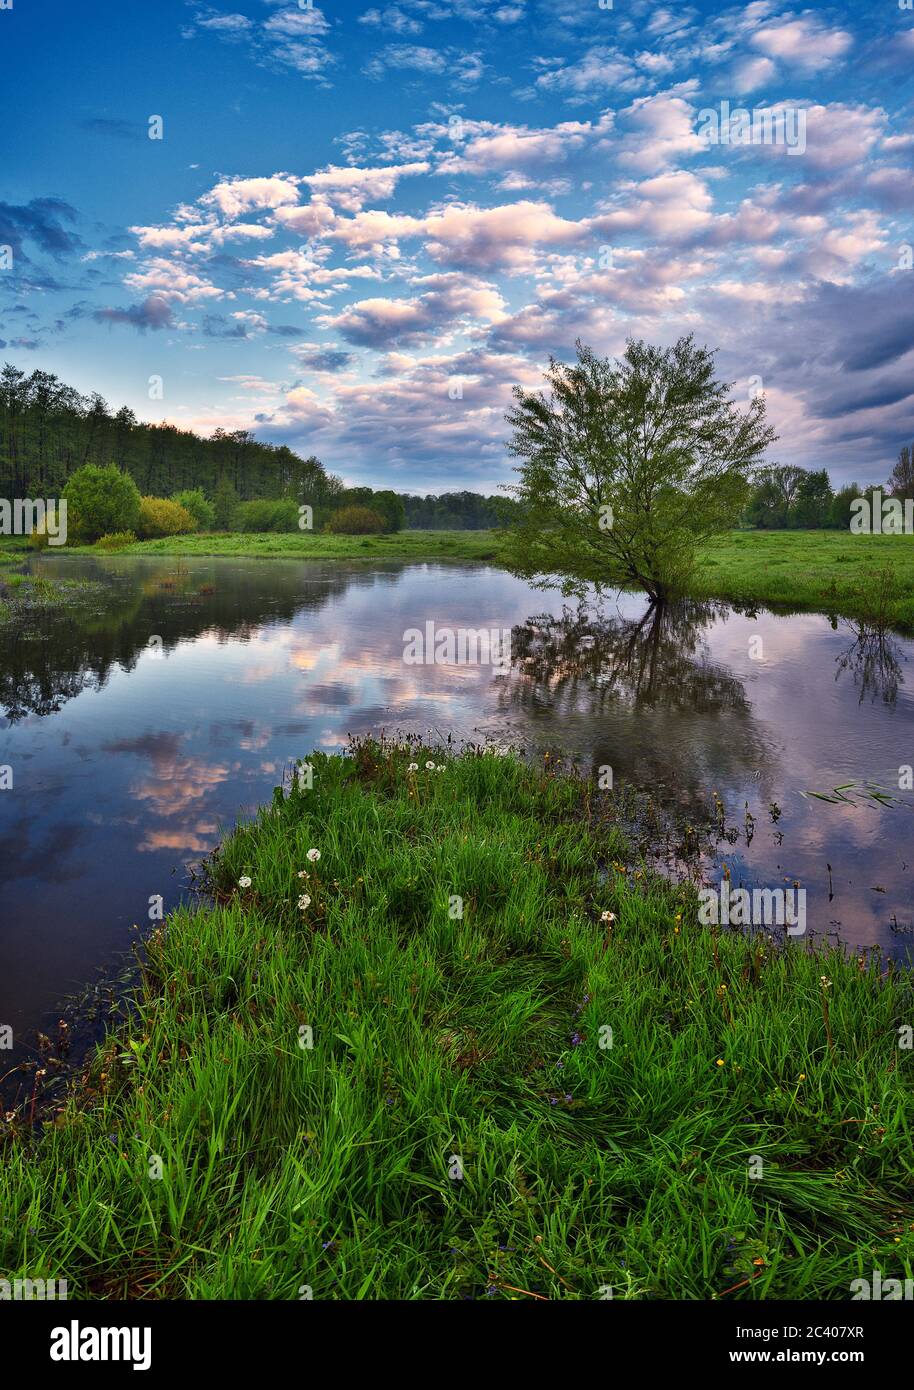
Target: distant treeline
(786,497)
(458,511)
(48,430)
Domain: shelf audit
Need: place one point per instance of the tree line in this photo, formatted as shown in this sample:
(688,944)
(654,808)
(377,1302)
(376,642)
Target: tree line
(49,430)
(787,497)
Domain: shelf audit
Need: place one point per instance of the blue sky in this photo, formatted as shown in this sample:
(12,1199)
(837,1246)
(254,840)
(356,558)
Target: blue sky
(364,223)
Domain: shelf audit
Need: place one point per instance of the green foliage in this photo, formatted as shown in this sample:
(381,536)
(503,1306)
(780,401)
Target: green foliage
(101,500)
(279,515)
(160,517)
(47,428)
(627,467)
(390,506)
(225,501)
(459,511)
(485,1036)
(116,541)
(193,500)
(38,539)
(355,521)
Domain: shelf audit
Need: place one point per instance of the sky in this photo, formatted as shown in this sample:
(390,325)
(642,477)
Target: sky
(364,223)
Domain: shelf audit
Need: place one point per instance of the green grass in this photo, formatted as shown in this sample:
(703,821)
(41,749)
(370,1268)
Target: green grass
(584,1166)
(405,545)
(819,571)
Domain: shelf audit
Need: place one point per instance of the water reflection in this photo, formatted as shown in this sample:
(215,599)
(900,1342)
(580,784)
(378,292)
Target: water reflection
(140,727)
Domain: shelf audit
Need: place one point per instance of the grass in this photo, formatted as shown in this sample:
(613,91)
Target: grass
(405,545)
(811,571)
(471,1044)
(22,596)
(805,571)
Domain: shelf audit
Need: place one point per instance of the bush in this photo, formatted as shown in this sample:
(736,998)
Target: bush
(194,500)
(159,517)
(38,539)
(115,541)
(279,514)
(355,521)
(100,501)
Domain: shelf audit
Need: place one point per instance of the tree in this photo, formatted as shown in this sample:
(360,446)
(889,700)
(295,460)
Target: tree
(194,501)
(901,483)
(627,467)
(161,517)
(225,500)
(814,499)
(840,511)
(774,496)
(100,501)
(391,509)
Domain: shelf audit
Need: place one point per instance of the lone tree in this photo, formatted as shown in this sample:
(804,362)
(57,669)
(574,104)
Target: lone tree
(627,467)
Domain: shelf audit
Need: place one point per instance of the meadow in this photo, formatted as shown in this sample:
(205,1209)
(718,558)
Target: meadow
(435,1033)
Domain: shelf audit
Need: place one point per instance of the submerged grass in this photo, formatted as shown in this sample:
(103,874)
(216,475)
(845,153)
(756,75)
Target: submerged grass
(473,1045)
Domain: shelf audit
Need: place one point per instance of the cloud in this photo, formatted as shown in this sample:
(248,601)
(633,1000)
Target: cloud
(350,186)
(40,223)
(462,69)
(315,359)
(119,129)
(600,72)
(235,196)
(805,43)
(442,303)
(153,313)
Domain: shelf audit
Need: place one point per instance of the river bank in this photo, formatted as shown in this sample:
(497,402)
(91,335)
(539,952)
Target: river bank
(866,578)
(337,1085)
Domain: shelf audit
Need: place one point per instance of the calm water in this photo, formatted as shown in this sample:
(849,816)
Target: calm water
(127,764)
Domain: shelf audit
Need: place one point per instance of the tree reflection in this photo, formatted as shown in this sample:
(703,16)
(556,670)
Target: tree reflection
(873,660)
(636,693)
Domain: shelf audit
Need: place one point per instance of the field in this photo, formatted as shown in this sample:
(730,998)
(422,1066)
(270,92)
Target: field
(337,1085)
(818,571)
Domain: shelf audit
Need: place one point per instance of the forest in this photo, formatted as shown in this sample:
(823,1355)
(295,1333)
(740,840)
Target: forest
(48,430)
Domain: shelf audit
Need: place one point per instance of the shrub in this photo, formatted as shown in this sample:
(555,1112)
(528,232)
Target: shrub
(115,541)
(38,539)
(355,521)
(159,517)
(279,514)
(194,500)
(100,501)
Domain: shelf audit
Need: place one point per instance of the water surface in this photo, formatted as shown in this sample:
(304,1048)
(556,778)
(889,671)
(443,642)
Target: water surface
(137,730)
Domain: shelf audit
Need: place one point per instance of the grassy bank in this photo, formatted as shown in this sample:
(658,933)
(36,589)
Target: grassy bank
(811,571)
(815,571)
(472,1045)
(405,545)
